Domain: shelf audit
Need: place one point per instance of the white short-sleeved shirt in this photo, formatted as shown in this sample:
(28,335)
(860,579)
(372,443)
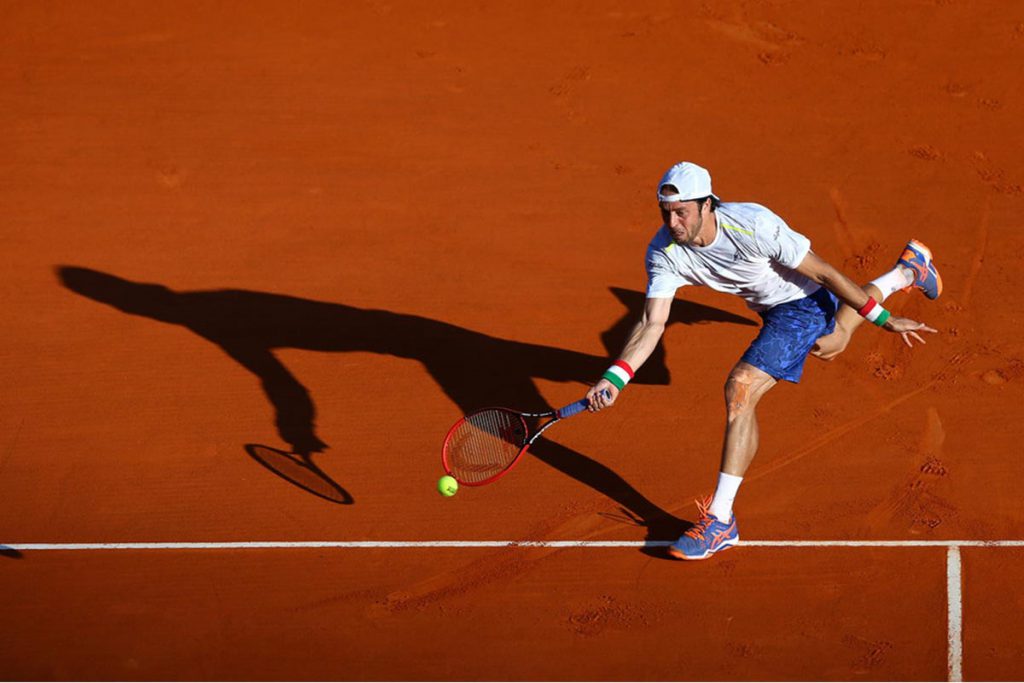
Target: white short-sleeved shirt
(753,256)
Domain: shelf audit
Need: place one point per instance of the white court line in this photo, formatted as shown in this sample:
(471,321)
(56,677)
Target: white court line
(255,545)
(954,581)
(954,573)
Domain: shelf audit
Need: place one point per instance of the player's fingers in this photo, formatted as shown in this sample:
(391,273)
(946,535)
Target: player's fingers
(914,325)
(607,398)
(907,336)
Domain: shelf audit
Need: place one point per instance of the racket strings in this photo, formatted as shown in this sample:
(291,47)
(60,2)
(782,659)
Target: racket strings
(485,444)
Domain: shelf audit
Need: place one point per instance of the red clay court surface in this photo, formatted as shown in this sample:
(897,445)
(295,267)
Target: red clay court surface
(231,233)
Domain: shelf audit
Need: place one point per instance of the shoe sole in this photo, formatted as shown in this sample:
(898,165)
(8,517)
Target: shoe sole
(680,556)
(920,246)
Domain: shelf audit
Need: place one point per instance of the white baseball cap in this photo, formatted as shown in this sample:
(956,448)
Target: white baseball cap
(690,180)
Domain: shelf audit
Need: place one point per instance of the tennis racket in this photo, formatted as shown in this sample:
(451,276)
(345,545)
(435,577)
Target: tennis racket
(483,446)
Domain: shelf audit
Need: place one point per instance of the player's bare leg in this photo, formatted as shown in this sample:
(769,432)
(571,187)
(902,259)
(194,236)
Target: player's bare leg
(743,389)
(716,529)
(913,269)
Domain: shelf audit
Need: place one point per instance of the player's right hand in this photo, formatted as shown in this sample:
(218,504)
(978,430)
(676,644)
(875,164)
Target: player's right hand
(601,395)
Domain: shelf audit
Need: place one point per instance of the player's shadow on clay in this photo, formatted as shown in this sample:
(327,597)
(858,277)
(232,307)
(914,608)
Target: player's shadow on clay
(474,369)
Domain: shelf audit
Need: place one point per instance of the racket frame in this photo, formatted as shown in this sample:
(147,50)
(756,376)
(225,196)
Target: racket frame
(557,415)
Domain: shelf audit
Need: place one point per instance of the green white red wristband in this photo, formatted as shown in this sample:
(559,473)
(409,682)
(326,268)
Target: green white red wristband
(873,312)
(619,374)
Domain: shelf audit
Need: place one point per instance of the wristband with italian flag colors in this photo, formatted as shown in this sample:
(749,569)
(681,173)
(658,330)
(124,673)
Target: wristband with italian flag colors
(619,374)
(874,312)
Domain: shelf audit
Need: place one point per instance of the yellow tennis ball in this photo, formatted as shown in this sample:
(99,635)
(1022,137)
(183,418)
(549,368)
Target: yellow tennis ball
(447,486)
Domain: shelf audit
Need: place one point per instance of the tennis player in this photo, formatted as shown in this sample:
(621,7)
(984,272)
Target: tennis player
(806,305)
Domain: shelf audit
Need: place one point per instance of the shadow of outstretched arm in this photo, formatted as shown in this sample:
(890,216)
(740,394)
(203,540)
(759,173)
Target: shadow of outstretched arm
(472,368)
(294,413)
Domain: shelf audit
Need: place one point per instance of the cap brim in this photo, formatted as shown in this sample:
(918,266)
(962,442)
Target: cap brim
(680,198)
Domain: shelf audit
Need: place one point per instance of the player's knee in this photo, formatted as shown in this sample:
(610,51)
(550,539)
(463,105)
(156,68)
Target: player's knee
(743,389)
(738,396)
(829,348)
(826,356)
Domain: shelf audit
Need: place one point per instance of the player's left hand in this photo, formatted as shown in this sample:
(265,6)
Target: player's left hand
(907,328)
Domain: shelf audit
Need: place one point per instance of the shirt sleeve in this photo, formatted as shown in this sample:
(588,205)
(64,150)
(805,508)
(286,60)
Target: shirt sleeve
(662,283)
(780,242)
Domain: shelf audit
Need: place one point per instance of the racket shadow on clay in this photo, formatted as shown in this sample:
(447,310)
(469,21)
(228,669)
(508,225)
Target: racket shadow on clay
(299,470)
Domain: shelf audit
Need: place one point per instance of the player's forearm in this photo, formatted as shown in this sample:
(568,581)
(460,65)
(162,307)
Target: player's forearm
(641,343)
(845,289)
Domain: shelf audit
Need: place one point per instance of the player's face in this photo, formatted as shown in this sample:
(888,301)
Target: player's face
(683,219)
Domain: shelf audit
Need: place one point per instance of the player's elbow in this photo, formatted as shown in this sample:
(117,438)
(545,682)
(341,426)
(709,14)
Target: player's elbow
(818,270)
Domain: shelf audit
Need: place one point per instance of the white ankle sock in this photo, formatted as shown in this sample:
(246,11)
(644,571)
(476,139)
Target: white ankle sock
(725,494)
(892,282)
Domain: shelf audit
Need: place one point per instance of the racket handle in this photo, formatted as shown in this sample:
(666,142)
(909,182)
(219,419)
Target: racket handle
(577,407)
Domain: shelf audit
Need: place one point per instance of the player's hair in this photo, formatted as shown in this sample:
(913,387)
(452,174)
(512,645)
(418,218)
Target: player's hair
(714,202)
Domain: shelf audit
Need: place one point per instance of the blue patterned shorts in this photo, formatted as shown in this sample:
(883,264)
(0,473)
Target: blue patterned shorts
(789,333)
